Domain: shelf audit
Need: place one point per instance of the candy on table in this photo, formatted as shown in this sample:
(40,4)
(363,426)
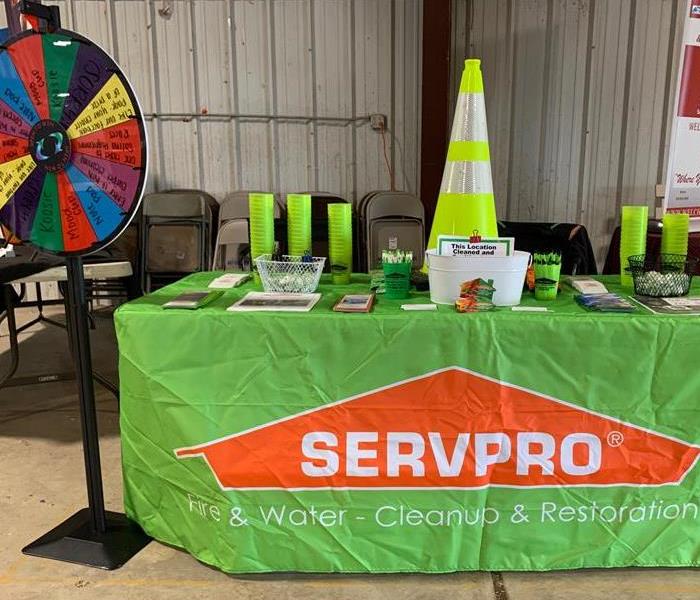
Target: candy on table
(471,304)
(480,287)
(475,296)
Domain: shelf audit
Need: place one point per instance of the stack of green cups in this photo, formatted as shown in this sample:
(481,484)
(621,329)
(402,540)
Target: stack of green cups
(340,241)
(298,224)
(633,238)
(674,236)
(262,228)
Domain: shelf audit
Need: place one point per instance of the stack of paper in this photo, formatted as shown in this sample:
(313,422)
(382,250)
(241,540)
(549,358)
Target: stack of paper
(229,280)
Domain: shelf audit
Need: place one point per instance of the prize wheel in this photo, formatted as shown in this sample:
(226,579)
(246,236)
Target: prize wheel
(73,156)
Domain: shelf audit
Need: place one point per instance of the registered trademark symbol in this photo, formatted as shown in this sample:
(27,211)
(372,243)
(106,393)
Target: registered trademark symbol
(615,439)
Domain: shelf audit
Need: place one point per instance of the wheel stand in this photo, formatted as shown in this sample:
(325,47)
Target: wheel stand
(92,536)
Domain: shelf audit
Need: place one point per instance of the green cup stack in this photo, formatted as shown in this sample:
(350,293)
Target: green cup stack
(298,224)
(633,238)
(262,228)
(340,241)
(674,235)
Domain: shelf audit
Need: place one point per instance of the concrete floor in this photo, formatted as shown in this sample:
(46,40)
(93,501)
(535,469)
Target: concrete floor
(41,483)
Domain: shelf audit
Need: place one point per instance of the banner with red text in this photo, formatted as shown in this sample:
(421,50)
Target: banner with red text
(683,173)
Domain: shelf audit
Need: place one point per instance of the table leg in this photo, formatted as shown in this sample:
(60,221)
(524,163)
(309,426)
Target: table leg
(106,383)
(12,328)
(7,379)
(40,306)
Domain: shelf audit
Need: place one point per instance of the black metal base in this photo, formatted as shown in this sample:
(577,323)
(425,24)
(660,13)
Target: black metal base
(75,541)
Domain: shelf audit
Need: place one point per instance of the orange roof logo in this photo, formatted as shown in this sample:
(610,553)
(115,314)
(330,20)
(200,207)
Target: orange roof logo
(451,428)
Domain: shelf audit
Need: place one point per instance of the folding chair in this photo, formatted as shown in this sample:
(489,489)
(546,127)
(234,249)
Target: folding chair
(231,249)
(391,220)
(176,235)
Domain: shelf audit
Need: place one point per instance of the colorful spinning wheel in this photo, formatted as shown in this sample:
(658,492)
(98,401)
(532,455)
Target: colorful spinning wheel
(72,143)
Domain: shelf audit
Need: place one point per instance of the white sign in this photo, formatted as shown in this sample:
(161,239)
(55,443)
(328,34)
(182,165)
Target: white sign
(462,246)
(683,173)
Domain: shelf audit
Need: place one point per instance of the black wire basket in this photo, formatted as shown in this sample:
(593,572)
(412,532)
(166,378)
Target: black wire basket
(662,275)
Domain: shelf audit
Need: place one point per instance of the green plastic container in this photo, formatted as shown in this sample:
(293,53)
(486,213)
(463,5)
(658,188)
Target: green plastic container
(340,242)
(674,236)
(262,228)
(633,239)
(397,279)
(298,224)
(546,281)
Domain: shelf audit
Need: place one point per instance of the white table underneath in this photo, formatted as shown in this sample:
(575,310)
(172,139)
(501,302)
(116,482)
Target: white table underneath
(93,271)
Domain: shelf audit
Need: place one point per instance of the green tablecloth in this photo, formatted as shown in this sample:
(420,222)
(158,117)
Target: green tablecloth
(398,441)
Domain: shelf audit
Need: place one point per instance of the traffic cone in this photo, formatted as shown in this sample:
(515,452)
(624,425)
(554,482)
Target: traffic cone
(465,206)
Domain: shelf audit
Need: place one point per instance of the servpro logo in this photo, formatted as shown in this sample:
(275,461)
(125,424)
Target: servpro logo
(449,429)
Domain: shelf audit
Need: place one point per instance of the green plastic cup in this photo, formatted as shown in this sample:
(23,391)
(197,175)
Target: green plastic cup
(261,228)
(340,242)
(298,224)
(546,281)
(674,236)
(397,279)
(633,239)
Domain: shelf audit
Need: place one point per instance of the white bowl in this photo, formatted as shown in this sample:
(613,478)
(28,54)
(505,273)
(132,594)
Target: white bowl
(447,273)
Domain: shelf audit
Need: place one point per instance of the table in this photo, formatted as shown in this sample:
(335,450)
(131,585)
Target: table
(398,442)
(92,271)
(104,270)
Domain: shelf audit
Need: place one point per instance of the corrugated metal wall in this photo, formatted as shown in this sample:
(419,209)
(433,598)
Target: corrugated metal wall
(578,96)
(268,94)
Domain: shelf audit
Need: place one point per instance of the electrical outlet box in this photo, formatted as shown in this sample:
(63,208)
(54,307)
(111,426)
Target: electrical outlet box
(377,122)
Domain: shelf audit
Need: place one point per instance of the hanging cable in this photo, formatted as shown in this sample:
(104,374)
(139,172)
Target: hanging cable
(392,186)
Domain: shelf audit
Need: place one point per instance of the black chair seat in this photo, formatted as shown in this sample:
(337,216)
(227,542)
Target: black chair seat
(570,239)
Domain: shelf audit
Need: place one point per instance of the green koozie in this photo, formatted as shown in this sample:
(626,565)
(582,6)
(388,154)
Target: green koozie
(546,281)
(340,241)
(547,268)
(397,279)
(299,224)
(262,229)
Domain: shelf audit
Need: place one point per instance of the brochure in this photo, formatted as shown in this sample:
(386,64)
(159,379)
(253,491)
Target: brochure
(274,301)
(605,303)
(229,280)
(685,305)
(192,300)
(586,285)
(354,303)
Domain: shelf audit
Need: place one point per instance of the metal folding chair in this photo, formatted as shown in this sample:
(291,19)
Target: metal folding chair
(176,233)
(232,240)
(391,220)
